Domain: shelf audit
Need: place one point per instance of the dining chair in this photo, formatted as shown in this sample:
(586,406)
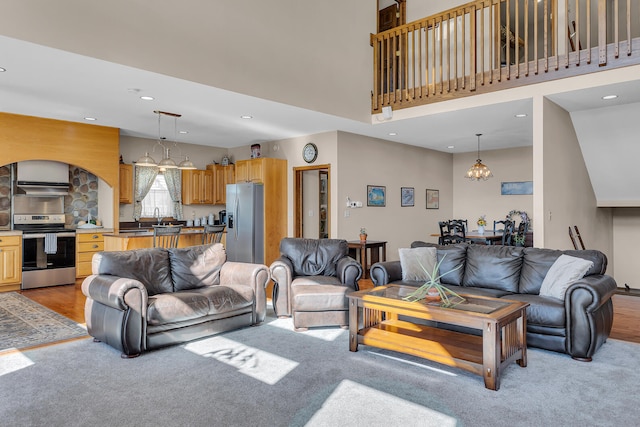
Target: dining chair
(502,224)
(457,232)
(464,222)
(520,235)
(212,234)
(166,236)
(444,232)
(507,232)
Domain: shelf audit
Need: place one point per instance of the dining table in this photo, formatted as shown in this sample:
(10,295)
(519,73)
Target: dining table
(488,237)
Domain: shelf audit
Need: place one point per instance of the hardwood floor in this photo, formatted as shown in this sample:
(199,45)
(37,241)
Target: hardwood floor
(69,301)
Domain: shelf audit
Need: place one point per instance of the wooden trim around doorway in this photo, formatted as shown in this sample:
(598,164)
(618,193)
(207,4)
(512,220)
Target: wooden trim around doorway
(297,196)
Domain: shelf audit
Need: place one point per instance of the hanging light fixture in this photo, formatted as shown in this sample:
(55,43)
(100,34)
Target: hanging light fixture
(478,171)
(167,162)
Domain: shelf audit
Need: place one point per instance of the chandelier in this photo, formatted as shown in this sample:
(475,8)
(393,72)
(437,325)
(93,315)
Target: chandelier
(167,162)
(478,171)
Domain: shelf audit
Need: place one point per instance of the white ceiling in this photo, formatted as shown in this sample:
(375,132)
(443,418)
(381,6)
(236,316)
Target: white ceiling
(45,82)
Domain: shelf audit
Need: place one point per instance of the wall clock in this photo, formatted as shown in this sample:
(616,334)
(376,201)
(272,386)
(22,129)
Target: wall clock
(310,152)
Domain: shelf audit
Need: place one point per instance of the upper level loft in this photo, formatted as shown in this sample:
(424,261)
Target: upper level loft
(490,45)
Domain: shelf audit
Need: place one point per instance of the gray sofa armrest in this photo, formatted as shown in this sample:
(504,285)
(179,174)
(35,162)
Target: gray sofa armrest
(249,280)
(349,271)
(386,272)
(589,314)
(112,291)
(282,274)
(116,311)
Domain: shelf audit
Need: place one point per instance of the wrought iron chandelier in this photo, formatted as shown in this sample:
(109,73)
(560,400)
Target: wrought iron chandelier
(478,171)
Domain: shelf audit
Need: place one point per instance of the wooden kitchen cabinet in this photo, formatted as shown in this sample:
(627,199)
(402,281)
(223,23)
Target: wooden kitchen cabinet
(222,175)
(197,187)
(10,263)
(252,170)
(126,183)
(87,244)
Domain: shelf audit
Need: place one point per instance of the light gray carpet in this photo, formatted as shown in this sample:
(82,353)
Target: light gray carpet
(272,376)
(25,323)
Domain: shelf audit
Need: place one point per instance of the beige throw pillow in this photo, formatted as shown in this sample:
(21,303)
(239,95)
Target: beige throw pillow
(565,271)
(411,258)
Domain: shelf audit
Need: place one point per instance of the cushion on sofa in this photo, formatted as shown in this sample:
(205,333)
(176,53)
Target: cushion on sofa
(451,256)
(197,266)
(537,262)
(565,271)
(418,263)
(314,257)
(496,267)
(149,266)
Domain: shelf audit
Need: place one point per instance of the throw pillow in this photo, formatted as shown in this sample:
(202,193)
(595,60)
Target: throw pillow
(565,271)
(410,260)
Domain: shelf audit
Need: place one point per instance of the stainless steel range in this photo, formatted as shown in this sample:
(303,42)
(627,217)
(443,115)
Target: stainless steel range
(48,248)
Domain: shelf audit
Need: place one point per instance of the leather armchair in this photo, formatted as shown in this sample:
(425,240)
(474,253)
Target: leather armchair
(312,278)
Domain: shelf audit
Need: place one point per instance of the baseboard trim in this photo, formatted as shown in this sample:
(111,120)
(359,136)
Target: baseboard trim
(628,291)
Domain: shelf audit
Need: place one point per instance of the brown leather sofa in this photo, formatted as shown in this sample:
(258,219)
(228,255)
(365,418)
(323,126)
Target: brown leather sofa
(312,278)
(577,325)
(144,299)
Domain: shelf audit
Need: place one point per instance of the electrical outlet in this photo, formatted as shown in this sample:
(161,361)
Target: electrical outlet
(347,213)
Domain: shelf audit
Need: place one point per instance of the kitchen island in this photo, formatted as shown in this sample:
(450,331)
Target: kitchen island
(143,238)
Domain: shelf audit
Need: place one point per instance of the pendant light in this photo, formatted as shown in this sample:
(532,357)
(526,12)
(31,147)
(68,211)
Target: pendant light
(167,162)
(478,171)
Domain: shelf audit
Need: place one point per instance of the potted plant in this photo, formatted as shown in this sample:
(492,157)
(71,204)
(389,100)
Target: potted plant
(432,290)
(363,234)
(482,222)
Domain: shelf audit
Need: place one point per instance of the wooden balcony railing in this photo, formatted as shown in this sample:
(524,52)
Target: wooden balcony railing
(491,45)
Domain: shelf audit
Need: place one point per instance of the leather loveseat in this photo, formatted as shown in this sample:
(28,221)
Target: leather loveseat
(143,299)
(577,325)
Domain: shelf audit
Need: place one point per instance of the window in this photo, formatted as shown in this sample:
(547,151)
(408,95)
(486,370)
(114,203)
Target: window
(158,197)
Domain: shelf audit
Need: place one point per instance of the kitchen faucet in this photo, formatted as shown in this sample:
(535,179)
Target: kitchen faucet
(156,214)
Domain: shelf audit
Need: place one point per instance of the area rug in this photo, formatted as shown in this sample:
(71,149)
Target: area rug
(270,375)
(25,323)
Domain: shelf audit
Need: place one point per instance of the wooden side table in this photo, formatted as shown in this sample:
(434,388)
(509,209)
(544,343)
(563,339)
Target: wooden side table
(367,252)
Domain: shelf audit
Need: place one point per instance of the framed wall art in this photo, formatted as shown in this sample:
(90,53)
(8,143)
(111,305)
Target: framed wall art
(433,199)
(376,195)
(516,188)
(406,196)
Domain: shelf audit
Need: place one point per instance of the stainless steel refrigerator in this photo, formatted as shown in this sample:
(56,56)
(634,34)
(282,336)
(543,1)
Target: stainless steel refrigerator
(245,222)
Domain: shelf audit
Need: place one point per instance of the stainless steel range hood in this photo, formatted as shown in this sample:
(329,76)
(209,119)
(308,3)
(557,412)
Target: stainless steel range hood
(42,178)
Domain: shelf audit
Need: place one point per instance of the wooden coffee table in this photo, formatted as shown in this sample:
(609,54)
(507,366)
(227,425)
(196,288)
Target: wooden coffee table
(500,325)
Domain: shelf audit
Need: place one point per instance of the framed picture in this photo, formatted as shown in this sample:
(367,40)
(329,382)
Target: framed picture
(406,196)
(516,188)
(433,199)
(376,195)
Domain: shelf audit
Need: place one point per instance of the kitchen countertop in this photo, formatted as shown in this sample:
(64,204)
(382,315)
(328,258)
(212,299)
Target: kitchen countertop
(11,233)
(93,230)
(143,232)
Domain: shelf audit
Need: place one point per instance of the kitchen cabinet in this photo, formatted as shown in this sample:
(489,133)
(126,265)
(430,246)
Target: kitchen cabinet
(197,187)
(10,263)
(126,183)
(222,175)
(252,170)
(87,244)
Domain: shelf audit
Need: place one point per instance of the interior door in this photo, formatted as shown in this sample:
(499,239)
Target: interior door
(312,202)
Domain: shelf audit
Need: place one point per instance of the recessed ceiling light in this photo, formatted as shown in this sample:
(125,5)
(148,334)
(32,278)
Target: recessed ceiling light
(184,131)
(2,70)
(90,119)
(521,115)
(246,116)
(147,98)
(607,97)
(451,146)
(393,133)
